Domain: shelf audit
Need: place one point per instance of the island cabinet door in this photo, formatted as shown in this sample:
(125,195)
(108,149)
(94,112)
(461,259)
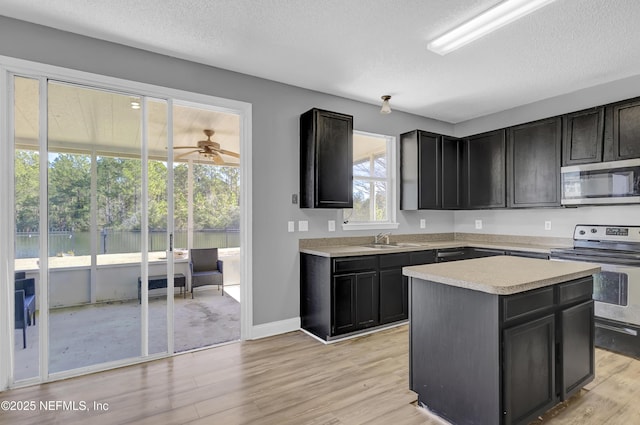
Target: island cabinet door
(576,345)
(529,370)
(343,312)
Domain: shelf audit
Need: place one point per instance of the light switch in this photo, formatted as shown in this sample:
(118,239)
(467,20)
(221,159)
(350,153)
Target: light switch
(423,223)
(303,226)
(292,226)
(332,225)
(547,225)
(478,224)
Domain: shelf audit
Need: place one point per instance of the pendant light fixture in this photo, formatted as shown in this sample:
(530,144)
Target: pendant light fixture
(386,108)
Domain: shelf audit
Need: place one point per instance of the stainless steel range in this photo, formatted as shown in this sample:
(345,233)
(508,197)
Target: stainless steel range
(616,289)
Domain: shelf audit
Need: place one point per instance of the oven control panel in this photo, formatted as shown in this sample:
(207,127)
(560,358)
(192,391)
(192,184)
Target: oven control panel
(607,233)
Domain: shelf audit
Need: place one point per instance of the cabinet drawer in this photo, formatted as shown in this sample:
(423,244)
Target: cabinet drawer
(519,305)
(575,291)
(422,257)
(354,264)
(394,260)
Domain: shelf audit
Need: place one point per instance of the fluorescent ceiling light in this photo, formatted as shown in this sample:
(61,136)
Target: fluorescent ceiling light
(502,14)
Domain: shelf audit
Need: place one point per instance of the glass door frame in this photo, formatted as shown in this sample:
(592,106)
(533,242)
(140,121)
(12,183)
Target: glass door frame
(10,67)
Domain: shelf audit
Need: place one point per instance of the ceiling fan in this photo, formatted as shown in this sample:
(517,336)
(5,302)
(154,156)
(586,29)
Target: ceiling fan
(209,149)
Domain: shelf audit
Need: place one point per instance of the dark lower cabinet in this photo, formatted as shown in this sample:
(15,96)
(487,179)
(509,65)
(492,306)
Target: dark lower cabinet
(578,337)
(355,302)
(499,359)
(343,310)
(393,296)
(529,369)
(366,299)
(344,295)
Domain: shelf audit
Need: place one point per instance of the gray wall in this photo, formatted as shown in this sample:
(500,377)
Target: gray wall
(276,108)
(603,94)
(530,222)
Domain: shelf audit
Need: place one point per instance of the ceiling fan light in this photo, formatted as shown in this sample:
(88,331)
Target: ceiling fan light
(386,108)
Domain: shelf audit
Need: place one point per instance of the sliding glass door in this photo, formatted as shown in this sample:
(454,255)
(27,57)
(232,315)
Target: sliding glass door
(95,247)
(100,178)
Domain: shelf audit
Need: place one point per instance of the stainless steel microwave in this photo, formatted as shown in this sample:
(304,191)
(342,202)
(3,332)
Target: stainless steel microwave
(616,182)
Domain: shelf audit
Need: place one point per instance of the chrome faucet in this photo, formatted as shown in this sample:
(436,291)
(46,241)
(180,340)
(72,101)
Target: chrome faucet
(380,236)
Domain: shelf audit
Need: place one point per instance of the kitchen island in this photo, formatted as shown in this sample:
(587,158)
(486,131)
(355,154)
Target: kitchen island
(499,340)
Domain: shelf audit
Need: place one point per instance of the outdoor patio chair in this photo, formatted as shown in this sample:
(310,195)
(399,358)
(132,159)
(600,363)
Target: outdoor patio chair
(21,316)
(28,285)
(206,268)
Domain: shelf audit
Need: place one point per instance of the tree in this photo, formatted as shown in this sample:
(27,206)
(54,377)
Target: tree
(27,186)
(69,191)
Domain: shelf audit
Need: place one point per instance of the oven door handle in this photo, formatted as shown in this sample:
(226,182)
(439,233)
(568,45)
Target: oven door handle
(604,263)
(621,330)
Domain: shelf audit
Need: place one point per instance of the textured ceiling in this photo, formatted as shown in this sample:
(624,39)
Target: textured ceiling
(362,49)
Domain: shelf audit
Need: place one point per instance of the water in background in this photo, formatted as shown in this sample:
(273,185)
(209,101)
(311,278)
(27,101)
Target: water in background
(117,241)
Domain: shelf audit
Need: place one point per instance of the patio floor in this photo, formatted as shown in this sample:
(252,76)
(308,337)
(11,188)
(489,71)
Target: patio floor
(93,334)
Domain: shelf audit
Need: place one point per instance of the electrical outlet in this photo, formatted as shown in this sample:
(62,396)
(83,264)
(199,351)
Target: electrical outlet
(478,224)
(294,198)
(291,226)
(332,225)
(547,225)
(303,226)
(423,223)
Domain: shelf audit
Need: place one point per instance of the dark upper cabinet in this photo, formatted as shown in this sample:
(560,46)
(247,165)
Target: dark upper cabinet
(430,171)
(420,170)
(484,170)
(583,138)
(624,142)
(451,172)
(533,164)
(326,160)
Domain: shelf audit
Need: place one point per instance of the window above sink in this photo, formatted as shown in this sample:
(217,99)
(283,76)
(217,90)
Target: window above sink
(374,187)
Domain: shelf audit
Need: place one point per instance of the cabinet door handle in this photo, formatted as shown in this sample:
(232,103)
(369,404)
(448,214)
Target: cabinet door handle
(450,254)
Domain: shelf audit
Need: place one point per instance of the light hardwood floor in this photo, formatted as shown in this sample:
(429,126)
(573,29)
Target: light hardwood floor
(293,379)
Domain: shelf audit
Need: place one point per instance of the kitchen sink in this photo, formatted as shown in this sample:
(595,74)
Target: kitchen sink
(380,246)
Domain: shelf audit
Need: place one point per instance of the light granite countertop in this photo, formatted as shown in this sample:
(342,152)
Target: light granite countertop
(354,250)
(502,275)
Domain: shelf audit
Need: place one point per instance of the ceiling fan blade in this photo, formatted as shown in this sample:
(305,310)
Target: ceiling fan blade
(229,153)
(186,147)
(185,154)
(217,159)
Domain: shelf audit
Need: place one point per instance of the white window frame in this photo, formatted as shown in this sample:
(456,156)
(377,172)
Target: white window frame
(390,223)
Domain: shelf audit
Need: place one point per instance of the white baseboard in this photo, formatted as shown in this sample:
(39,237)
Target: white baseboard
(275,328)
